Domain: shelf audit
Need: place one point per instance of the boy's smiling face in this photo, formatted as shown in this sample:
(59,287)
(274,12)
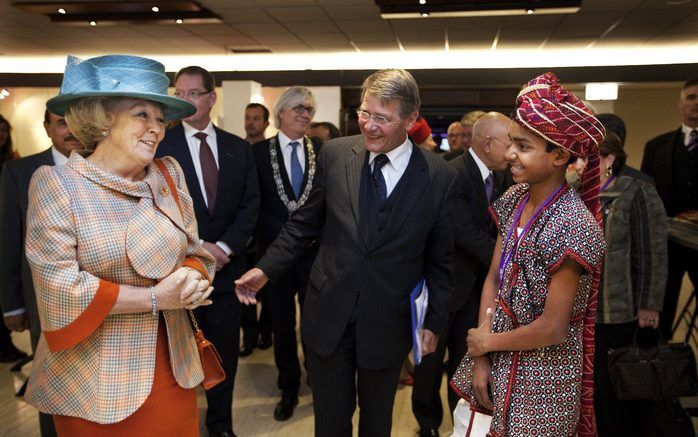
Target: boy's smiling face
(528,156)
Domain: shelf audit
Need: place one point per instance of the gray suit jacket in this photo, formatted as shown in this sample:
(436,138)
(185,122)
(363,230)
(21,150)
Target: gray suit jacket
(371,281)
(16,286)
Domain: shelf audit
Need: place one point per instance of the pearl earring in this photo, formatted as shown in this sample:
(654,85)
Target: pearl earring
(105,133)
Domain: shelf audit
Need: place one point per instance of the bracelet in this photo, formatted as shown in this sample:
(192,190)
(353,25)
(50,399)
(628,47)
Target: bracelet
(153,301)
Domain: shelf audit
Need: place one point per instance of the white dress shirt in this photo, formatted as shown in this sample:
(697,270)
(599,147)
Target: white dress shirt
(484,171)
(287,150)
(687,134)
(392,171)
(194,147)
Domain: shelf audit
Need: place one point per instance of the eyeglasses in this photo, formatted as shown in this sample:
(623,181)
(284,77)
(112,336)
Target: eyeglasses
(300,109)
(378,119)
(190,95)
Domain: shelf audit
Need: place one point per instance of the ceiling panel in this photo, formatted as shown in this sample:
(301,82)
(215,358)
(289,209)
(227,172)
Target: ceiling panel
(244,15)
(324,26)
(372,37)
(297,14)
(364,26)
(588,24)
(378,47)
(347,13)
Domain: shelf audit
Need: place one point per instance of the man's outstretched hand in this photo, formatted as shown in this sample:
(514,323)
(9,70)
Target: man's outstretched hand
(247,286)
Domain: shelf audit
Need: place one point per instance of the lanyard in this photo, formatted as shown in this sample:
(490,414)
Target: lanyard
(607,183)
(508,254)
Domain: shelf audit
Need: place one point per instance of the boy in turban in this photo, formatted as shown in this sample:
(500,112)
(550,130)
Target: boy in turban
(531,360)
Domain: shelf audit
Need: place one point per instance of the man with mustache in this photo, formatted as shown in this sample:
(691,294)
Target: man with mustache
(17,297)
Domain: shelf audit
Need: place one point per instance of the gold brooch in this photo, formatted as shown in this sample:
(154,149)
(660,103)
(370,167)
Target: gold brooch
(164,191)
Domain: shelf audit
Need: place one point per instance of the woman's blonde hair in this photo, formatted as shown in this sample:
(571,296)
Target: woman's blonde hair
(90,118)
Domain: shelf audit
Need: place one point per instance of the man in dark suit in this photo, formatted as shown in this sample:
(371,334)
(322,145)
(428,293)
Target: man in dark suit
(482,177)
(384,207)
(222,180)
(255,333)
(672,160)
(17,297)
(286,168)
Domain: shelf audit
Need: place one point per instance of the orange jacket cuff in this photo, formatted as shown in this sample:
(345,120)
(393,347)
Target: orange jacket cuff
(196,265)
(87,322)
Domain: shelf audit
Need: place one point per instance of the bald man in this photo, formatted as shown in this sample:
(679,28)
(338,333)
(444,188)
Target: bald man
(482,176)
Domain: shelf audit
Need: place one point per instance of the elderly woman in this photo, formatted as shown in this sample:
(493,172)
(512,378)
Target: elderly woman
(634,273)
(116,262)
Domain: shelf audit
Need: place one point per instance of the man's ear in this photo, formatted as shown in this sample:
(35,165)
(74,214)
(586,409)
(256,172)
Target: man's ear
(213,97)
(411,119)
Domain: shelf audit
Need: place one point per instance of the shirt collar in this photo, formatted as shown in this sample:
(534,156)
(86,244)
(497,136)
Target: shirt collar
(686,132)
(190,131)
(58,157)
(284,140)
(398,157)
(484,171)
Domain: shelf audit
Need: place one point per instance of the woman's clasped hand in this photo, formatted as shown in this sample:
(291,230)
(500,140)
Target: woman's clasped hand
(183,288)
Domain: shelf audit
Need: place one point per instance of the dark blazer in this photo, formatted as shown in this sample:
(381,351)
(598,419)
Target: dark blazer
(371,281)
(237,201)
(657,161)
(273,213)
(16,285)
(476,233)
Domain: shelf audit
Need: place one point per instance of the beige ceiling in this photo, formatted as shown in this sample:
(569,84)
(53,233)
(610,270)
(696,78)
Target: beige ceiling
(320,26)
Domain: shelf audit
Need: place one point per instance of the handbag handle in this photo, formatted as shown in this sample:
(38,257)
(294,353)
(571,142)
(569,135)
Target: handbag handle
(168,178)
(635,346)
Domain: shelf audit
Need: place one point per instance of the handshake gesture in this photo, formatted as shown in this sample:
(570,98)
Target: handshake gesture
(247,286)
(183,288)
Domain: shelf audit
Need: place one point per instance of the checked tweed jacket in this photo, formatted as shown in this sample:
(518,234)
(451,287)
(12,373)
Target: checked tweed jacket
(87,232)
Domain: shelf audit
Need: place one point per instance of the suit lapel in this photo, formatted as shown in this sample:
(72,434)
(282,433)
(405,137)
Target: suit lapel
(476,179)
(414,181)
(226,164)
(178,148)
(354,168)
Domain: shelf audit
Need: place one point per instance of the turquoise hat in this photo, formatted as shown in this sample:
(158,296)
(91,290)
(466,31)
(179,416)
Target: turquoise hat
(118,76)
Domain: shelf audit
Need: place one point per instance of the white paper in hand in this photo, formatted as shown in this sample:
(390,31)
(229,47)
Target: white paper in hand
(419,299)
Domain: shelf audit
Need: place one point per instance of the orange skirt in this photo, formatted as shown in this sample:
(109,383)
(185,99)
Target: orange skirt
(169,410)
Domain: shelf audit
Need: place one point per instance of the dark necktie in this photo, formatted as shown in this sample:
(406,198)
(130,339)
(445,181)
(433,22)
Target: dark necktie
(209,170)
(296,170)
(692,140)
(489,187)
(378,179)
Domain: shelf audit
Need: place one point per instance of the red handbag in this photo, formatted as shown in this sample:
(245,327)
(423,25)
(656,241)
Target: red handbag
(211,361)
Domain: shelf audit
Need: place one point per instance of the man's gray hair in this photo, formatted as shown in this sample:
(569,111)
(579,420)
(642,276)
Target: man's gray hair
(292,97)
(393,84)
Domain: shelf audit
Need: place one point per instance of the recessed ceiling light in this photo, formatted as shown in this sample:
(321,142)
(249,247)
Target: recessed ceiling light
(529,11)
(93,23)
(61,11)
(179,21)
(425,14)
(4,92)
(422,2)
(155,9)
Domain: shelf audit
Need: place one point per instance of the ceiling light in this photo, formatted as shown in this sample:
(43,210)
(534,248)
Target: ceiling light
(601,91)
(1,97)
(422,2)
(155,9)
(425,14)
(4,92)
(61,11)
(93,23)
(395,9)
(179,21)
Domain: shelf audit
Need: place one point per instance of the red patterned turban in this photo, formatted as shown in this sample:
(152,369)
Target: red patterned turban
(558,116)
(420,131)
